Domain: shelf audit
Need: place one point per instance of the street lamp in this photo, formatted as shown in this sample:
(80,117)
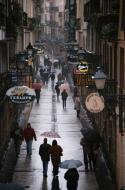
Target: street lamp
(100,79)
(30,49)
(21,61)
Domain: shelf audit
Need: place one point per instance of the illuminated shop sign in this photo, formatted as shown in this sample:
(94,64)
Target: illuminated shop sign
(21,94)
(83,67)
(81,79)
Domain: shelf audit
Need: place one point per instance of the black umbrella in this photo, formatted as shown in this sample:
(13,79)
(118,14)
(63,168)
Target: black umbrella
(90,134)
(11,186)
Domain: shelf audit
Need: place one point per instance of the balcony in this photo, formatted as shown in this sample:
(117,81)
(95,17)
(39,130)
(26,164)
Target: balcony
(93,8)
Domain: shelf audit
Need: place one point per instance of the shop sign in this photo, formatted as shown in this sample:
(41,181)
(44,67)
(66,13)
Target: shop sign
(21,94)
(94,103)
(81,79)
(83,67)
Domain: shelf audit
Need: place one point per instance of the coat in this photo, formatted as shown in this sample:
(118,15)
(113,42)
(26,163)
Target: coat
(56,153)
(57,89)
(77,103)
(29,134)
(44,152)
(64,95)
(72,177)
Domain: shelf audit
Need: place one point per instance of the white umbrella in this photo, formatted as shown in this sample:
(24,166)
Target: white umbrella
(67,164)
(65,86)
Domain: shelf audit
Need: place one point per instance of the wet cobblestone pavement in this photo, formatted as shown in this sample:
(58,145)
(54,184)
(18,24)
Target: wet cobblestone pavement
(49,115)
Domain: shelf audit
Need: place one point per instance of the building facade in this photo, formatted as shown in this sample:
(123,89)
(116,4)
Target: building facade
(104,35)
(18,21)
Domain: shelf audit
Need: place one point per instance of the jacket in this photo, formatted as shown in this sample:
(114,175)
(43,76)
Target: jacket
(64,95)
(29,134)
(56,153)
(77,103)
(44,152)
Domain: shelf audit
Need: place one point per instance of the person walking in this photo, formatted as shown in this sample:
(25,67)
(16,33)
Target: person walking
(29,135)
(88,154)
(64,95)
(37,92)
(75,92)
(56,153)
(72,177)
(37,88)
(17,136)
(57,89)
(77,105)
(45,155)
(52,76)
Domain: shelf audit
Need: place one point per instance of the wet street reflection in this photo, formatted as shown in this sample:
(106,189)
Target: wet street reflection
(49,116)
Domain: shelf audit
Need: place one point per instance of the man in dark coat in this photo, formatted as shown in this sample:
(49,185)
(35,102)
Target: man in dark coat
(57,91)
(45,155)
(64,98)
(72,177)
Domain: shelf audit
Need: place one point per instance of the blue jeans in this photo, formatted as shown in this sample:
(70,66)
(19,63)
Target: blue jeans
(45,167)
(29,147)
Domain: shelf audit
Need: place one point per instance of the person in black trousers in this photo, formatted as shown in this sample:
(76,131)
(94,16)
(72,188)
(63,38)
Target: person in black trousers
(64,98)
(45,155)
(57,89)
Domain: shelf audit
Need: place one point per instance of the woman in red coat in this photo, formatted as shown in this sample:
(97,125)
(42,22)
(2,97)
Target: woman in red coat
(56,153)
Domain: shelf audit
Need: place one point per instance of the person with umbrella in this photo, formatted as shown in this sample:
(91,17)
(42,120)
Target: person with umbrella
(37,88)
(72,177)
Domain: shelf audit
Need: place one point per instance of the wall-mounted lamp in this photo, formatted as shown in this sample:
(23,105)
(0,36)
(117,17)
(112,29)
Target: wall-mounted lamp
(100,79)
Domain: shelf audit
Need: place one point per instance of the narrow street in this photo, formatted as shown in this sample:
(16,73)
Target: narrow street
(49,115)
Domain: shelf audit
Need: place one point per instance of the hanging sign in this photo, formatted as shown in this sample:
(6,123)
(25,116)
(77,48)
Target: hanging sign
(94,103)
(21,94)
(81,79)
